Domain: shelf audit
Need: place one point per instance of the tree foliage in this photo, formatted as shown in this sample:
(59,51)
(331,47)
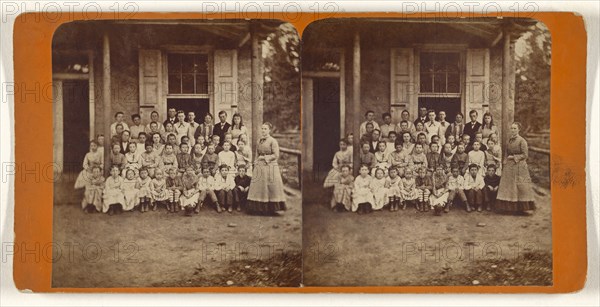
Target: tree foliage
(282,78)
(532,85)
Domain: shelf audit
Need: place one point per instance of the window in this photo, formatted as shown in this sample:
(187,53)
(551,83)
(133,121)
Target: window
(439,72)
(188,73)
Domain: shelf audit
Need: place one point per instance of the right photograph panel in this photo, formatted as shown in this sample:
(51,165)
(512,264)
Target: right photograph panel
(426,152)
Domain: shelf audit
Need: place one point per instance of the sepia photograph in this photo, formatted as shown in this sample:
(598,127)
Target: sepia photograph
(426,152)
(177,153)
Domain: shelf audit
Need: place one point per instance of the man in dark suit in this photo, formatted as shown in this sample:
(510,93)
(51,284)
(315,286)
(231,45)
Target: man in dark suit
(375,138)
(422,116)
(222,127)
(171,117)
(472,127)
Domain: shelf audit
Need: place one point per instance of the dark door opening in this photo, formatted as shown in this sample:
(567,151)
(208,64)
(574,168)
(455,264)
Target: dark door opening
(76,123)
(200,106)
(326,119)
(450,105)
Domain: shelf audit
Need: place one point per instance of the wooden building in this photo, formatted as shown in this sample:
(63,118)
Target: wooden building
(389,65)
(140,66)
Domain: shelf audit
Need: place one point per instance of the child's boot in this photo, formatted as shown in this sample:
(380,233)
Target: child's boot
(111,209)
(219,209)
(404,205)
(447,207)
(176,206)
(468,207)
(197,208)
(488,206)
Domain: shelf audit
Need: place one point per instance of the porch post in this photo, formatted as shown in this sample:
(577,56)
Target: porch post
(107,100)
(256,78)
(356,99)
(508,79)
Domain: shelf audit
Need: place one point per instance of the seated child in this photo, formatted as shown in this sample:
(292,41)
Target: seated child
(210,159)
(439,193)
(244,156)
(418,159)
(341,158)
(380,192)
(493,156)
(113,197)
(206,186)
(184,159)
(228,137)
(392,184)
(189,195)
(490,191)
(172,140)
(196,158)
(473,188)
(92,197)
(158,189)
(242,186)
(476,156)
(129,190)
(362,196)
(116,157)
(456,184)
(174,186)
(132,160)
(408,190)
(216,140)
(95,157)
(424,185)
(446,158)
(390,145)
(224,185)
(143,186)
(398,159)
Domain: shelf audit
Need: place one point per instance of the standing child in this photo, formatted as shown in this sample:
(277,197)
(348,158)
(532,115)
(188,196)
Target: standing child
(381,158)
(367,158)
(490,191)
(92,197)
(392,184)
(224,185)
(132,160)
(227,157)
(362,196)
(244,155)
(473,188)
(460,158)
(446,158)
(129,190)
(174,186)
(92,159)
(158,189)
(390,145)
(184,159)
(210,159)
(342,190)
(113,197)
(143,186)
(424,186)
(408,189)
(242,185)
(206,186)
(456,183)
(380,192)
(433,157)
(341,158)
(439,193)
(149,159)
(477,157)
(117,159)
(196,158)
(168,159)
(418,159)
(398,159)
(493,156)
(189,195)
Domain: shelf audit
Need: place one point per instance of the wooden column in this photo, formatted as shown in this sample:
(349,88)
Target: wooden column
(307,125)
(356,99)
(59,142)
(106,100)
(256,77)
(508,79)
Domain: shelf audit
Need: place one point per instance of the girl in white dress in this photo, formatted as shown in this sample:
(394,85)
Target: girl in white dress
(129,190)
(476,156)
(382,158)
(393,185)
(362,197)
(380,192)
(113,197)
(143,185)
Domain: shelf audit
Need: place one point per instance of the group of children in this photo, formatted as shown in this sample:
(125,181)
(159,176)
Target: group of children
(157,169)
(406,168)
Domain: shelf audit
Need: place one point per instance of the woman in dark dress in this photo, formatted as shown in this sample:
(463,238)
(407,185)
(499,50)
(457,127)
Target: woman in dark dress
(265,195)
(515,193)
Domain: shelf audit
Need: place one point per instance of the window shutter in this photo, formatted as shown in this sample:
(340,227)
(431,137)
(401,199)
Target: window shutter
(150,77)
(477,81)
(225,81)
(402,82)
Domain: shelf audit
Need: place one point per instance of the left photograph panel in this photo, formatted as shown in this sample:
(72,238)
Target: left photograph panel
(178,151)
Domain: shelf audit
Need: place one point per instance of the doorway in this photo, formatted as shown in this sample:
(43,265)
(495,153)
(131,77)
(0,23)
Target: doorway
(326,119)
(200,106)
(451,105)
(76,122)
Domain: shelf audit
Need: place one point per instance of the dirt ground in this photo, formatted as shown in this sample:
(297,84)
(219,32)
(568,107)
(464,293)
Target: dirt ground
(159,249)
(413,248)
